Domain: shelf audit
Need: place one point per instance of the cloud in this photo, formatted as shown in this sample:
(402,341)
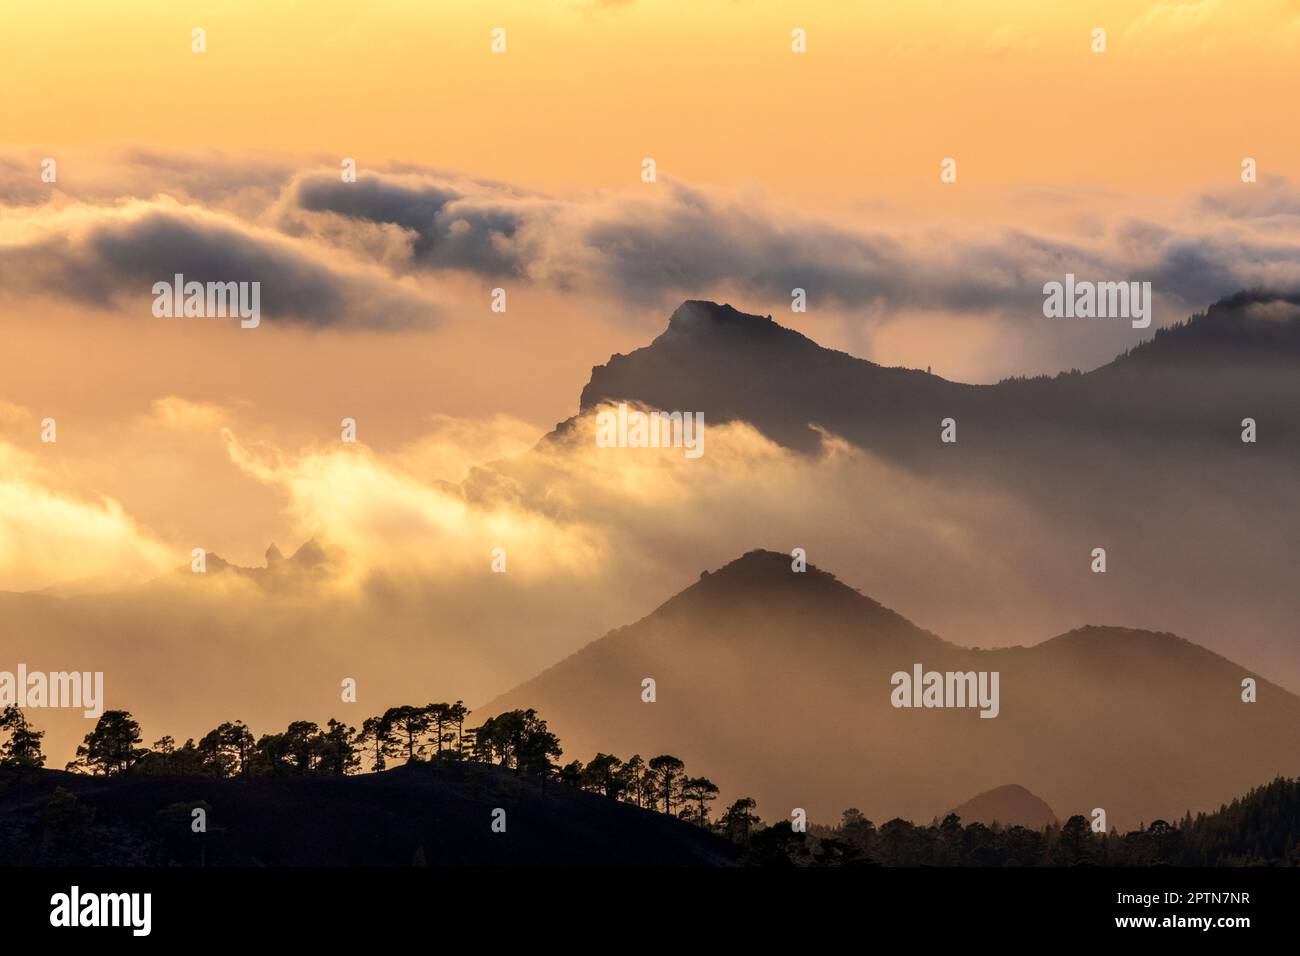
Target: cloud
(175,412)
(382,251)
(388,521)
(570,513)
(112,256)
(48,534)
(653,251)
(13,416)
(243,182)
(450,229)
(1272,198)
(644,250)
(1207,268)
(1173,18)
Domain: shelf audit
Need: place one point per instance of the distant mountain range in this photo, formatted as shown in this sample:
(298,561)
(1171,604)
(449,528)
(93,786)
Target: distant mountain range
(777,685)
(1009,805)
(1143,457)
(310,565)
(1194,381)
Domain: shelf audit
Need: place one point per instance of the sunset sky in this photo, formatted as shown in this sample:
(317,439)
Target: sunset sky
(709,88)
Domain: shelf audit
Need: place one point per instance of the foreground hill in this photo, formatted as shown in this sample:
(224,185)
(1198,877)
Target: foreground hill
(410,814)
(778,685)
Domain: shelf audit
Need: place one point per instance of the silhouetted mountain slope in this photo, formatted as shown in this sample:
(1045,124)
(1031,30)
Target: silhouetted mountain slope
(1255,325)
(1143,457)
(730,365)
(1262,827)
(1010,805)
(378,819)
(778,685)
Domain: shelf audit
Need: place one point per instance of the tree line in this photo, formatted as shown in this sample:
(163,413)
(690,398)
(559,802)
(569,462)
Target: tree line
(1261,828)
(518,740)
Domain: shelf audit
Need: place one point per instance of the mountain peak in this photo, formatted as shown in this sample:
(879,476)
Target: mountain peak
(1008,805)
(696,313)
(762,578)
(699,318)
(763,567)
(311,555)
(714,358)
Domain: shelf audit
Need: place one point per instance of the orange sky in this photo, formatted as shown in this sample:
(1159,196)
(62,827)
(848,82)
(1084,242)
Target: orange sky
(709,88)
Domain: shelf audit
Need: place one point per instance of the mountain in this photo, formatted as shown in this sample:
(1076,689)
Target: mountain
(733,366)
(1191,381)
(443,814)
(1143,457)
(1009,805)
(310,565)
(1258,829)
(777,685)
(1254,325)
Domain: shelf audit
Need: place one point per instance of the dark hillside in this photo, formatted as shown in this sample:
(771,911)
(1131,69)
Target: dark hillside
(395,818)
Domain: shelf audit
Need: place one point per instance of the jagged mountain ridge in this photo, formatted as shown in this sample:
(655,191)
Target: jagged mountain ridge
(734,366)
(311,564)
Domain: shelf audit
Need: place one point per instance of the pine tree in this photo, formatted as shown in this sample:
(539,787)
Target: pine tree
(23,746)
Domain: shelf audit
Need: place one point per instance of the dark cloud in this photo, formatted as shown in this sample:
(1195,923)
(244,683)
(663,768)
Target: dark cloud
(452,230)
(243,184)
(1271,197)
(102,257)
(646,249)
(211,176)
(20,181)
(685,243)
(1200,270)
